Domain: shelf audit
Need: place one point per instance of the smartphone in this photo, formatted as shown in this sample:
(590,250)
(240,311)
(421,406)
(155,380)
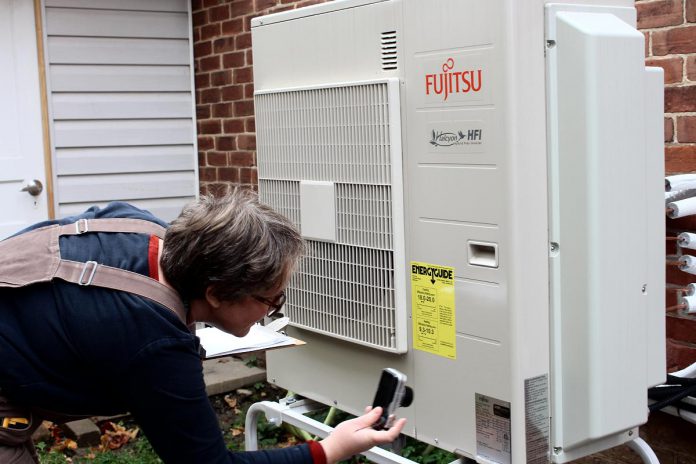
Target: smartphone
(390,393)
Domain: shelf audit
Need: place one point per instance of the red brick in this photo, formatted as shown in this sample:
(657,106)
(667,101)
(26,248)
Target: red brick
(211,95)
(691,11)
(672,66)
(199,18)
(202,80)
(243,41)
(232,93)
(659,13)
(675,40)
(216,158)
(691,68)
(224,44)
(308,3)
(264,4)
(207,174)
(686,129)
(244,108)
(219,13)
(211,126)
(247,22)
(248,176)
(680,159)
(233,60)
(196,34)
(196,5)
(222,110)
(205,143)
(242,75)
(680,99)
(249,91)
(249,57)
(246,142)
(681,327)
(221,78)
(669,129)
(229,174)
(241,7)
(202,49)
(209,31)
(210,63)
(226,143)
(233,26)
(250,125)
(202,112)
(680,355)
(282,8)
(244,159)
(646,34)
(209,3)
(233,126)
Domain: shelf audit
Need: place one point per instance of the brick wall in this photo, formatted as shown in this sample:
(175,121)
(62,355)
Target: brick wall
(225,89)
(227,143)
(670,31)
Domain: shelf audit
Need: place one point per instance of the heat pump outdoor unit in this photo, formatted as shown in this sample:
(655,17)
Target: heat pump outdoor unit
(480,186)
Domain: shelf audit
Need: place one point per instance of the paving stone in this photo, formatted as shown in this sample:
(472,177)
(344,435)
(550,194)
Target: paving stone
(223,375)
(84,432)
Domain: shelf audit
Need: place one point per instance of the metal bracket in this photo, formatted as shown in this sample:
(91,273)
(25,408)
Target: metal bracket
(291,411)
(81,226)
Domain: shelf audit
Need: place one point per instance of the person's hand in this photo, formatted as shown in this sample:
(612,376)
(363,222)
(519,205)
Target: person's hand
(357,435)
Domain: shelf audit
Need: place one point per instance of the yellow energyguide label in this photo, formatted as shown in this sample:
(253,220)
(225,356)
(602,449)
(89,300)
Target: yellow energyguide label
(432,294)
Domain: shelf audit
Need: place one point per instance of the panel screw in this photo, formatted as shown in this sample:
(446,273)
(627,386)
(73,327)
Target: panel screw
(554,247)
(644,289)
(630,433)
(550,43)
(437,441)
(557,450)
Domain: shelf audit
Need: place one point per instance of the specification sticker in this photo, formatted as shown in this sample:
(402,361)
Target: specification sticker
(536,420)
(493,429)
(432,292)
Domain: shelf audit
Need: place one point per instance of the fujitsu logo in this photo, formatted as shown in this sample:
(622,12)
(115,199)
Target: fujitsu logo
(449,82)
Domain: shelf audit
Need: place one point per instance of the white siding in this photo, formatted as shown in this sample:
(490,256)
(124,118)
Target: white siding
(122,103)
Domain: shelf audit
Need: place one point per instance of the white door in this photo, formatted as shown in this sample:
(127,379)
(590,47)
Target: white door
(21,135)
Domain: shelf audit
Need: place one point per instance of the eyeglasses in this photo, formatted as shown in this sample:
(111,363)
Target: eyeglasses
(274,305)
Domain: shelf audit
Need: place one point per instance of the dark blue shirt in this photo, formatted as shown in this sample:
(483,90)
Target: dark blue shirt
(94,351)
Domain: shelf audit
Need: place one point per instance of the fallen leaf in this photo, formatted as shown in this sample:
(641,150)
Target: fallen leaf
(231,401)
(236,431)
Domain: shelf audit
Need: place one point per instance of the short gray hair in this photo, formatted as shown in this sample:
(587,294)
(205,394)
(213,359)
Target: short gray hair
(235,244)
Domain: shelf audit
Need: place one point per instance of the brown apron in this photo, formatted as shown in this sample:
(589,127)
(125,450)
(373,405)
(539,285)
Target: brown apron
(34,257)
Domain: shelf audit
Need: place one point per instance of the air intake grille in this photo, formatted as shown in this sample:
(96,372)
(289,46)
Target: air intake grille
(341,135)
(389,58)
(335,134)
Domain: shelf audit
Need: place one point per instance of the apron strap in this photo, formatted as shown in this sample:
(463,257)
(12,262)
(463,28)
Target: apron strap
(100,275)
(128,225)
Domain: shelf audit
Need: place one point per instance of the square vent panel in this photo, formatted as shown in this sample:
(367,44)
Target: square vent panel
(348,135)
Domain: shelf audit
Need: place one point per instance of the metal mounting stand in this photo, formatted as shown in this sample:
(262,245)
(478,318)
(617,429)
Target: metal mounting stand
(291,411)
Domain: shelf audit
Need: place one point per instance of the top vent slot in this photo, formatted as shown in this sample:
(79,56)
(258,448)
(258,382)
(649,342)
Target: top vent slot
(389,58)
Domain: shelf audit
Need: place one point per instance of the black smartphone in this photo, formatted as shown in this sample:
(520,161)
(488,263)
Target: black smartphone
(390,393)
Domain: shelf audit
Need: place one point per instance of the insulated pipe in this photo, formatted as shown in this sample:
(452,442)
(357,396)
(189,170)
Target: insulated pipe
(681,208)
(689,303)
(687,240)
(687,263)
(680,182)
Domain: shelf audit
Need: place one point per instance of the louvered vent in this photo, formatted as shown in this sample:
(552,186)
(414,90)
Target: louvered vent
(389,58)
(349,289)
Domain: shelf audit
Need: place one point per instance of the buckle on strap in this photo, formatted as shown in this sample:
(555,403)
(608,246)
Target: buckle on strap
(90,277)
(81,226)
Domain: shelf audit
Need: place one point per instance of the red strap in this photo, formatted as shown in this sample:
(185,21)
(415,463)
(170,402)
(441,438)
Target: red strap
(152,253)
(317,452)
